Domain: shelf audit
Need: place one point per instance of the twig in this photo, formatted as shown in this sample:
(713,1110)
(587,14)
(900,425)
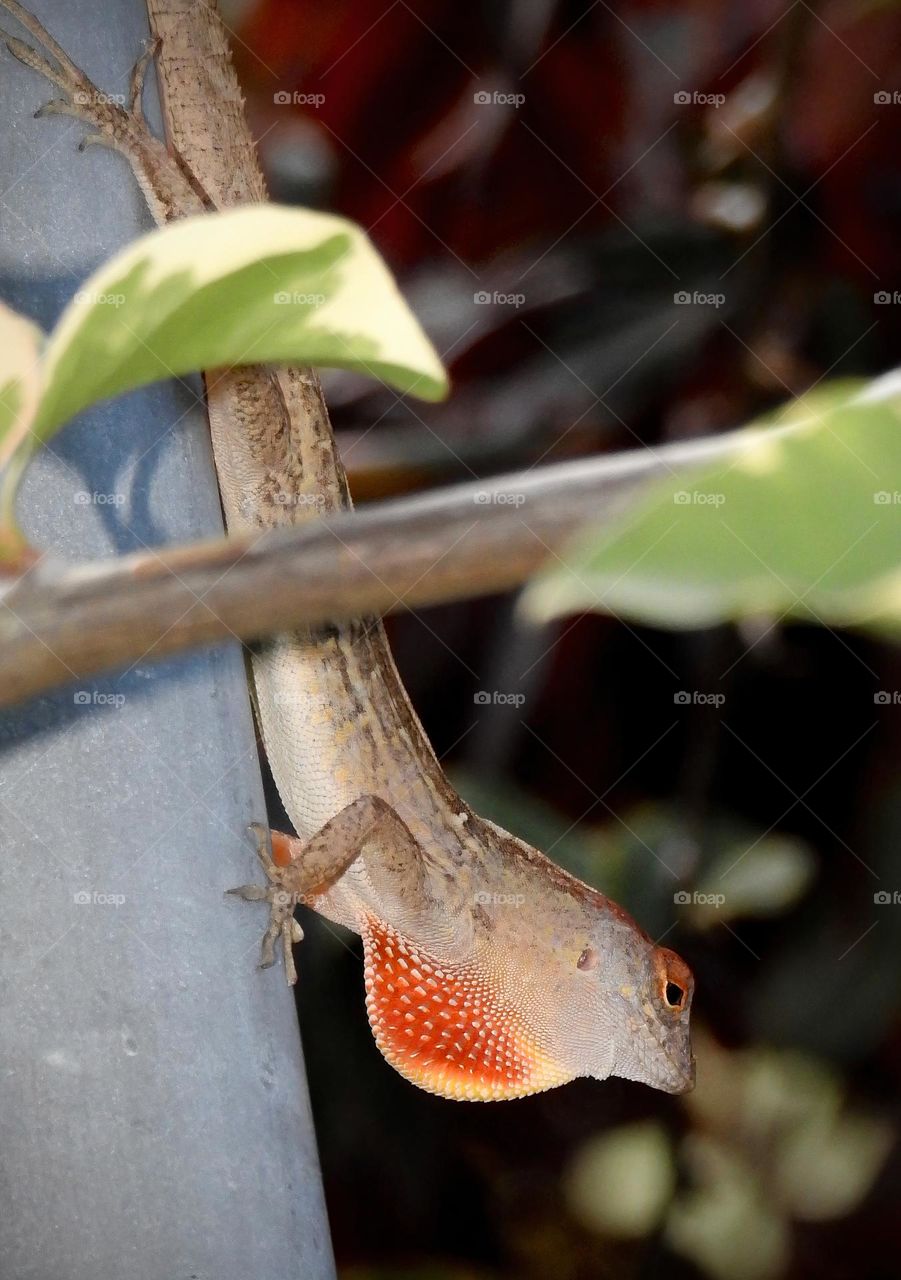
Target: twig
(60,623)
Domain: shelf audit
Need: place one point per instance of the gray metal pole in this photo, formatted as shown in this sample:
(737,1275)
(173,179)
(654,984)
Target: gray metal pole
(154,1119)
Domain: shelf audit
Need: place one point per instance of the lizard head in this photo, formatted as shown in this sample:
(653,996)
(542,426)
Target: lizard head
(597,996)
(643,1009)
(628,1009)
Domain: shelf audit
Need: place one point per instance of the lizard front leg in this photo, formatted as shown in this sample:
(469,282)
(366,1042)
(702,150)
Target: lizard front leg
(302,870)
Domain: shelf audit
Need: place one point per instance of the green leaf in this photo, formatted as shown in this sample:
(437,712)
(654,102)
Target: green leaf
(20,352)
(253,285)
(20,386)
(621,1182)
(826,1167)
(725,1224)
(759,877)
(799,520)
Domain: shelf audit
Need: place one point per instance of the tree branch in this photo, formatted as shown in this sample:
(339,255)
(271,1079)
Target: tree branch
(62,623)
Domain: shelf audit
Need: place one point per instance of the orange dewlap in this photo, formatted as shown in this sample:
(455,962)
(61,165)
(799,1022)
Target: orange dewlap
(445,1028)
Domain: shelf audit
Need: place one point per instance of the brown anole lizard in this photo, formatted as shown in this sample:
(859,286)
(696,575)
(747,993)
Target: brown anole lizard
(490,972)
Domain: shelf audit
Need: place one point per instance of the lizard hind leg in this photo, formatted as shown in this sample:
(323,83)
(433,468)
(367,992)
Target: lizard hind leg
(303,871)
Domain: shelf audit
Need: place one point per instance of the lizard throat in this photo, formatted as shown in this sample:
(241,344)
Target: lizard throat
(446,1027)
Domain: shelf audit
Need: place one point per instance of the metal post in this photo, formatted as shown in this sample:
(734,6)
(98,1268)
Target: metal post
(154,1119)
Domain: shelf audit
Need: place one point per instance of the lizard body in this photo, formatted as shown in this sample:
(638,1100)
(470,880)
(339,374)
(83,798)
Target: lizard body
(490,972)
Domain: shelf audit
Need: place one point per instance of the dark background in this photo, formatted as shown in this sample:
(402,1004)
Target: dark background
(745,151)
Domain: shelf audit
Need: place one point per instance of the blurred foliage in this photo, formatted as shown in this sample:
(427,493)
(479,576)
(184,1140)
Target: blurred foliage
(774,1140)
(622,1182)
(796,521)
(581,213)
(736,873)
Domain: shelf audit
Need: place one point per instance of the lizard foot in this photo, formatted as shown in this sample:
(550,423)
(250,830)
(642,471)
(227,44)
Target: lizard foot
(282,902)
(115,120)
(80,96)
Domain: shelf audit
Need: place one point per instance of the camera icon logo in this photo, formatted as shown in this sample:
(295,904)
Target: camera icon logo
(682,298)
(481,99)
(882,697)
(81,698)
(882,298)
(282,98)
(682,698)
(882,897)
(482,698)
(81,899)
(682,498)
(681,99)
(481,298)
(682,898)
(881,98)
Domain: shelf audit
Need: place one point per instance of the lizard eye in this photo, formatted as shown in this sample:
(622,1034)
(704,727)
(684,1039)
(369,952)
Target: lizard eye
(588,959)
(673,979)
(674,995)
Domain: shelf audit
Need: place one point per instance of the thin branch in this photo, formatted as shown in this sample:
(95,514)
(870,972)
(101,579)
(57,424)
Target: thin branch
(58,621)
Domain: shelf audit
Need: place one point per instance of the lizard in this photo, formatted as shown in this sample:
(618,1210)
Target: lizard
(490,972)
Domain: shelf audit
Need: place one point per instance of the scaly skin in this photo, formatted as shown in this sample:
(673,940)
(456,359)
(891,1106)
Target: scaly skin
(490,972)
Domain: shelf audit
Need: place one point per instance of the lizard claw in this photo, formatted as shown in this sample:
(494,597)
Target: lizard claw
(55,107)
(282,902)
(92,139)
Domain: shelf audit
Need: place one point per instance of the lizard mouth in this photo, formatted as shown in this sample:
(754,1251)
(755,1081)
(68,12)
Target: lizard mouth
(664,1070)
(676,1071)
(682,1077)
(655,1054)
